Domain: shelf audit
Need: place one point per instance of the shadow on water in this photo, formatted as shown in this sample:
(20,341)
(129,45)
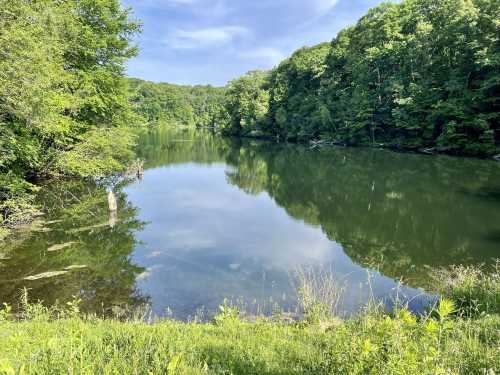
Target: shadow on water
(218,217)
(484,193)
(493,236)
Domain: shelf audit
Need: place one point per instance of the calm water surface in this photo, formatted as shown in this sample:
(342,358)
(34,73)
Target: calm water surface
(216,218)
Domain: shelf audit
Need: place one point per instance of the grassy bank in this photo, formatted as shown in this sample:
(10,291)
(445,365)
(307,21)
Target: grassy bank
(370,344)
(459,336)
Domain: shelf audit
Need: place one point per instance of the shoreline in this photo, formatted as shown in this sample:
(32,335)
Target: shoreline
(432,151)
(456,337)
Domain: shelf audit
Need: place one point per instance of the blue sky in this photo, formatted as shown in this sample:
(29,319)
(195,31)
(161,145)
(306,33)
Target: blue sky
(214,41)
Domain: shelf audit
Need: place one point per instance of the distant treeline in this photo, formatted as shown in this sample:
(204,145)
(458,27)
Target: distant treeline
(64,100)
(420,74)
(178,105)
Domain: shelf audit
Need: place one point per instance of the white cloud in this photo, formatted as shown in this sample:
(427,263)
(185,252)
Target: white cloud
(154,254)
(324,6)
(205,38)
(268,55)
(188,239)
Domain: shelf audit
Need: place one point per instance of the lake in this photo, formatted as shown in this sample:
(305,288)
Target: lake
(215,218)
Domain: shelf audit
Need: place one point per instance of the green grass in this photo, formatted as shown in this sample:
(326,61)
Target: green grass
(54,341)
(368,345)
(475,290)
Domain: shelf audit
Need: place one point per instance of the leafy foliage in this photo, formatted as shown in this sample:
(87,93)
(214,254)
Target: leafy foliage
(61,86)
(419,74)
(177,105)
(247,103)
(413,75)
(476,291)
(372,343)
(295,105)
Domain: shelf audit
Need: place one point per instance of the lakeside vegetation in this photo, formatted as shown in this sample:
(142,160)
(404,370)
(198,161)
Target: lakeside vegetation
(416,75)
(420,74)
(64,102)
(461,335)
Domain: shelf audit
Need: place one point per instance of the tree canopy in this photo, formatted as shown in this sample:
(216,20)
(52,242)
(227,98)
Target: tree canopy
(63,98)
(417,74)
(176,104)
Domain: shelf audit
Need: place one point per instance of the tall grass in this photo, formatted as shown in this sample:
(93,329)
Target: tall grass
(476,290)
(60,340)
(319,293)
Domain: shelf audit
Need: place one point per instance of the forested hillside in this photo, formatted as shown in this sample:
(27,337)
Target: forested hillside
(177,105)
(421,74)
(63,96)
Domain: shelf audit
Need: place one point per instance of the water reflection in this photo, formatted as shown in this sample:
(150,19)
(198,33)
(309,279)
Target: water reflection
(399,211)
(216,217)
(351,208)
(75,237)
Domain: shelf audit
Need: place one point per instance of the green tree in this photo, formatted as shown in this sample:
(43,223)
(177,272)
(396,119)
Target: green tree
(417,74)
(247,103)
(62,91)
(295,105)
(177,105)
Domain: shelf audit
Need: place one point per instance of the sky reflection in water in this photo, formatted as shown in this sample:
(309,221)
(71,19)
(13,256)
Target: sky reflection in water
(207,240)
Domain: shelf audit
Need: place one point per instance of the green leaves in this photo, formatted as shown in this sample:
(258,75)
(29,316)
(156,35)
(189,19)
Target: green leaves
(418,74)
(61,86)
(228,314)
(247,103)
(177,105)
(445,309)
(295,105)
(102,152)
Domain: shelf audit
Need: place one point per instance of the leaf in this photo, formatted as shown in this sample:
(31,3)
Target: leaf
(174,363)
(6,368)
(446,308)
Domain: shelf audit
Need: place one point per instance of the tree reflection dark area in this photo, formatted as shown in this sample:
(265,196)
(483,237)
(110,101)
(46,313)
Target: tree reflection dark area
(96,259)
(397,212)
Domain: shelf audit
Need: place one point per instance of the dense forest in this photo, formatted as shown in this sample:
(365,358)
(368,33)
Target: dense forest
(200,106)
(420,74)
(63,96)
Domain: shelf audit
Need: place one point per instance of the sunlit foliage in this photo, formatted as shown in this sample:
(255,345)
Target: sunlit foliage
(61,85)
(177,105)
(420,74)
